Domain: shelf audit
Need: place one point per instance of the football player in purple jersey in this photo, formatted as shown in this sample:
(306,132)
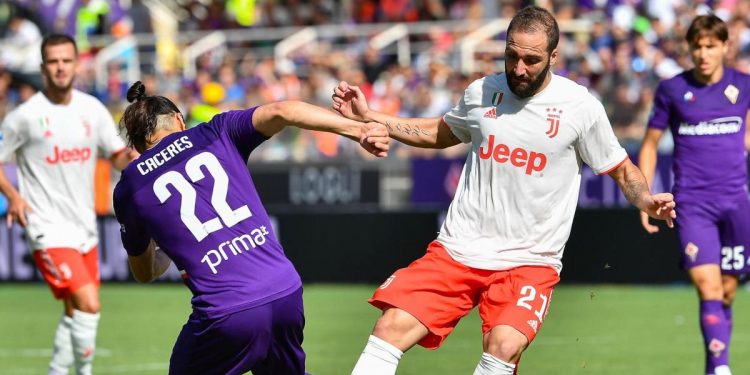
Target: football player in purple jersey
(189,199)
(705,109)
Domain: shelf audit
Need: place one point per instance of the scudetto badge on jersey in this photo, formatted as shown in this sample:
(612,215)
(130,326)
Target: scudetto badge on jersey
(732,93)
(497,98)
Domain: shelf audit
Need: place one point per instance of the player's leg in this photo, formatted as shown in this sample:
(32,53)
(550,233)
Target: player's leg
(84,288)
(502,348)
(395,332)
(230,344)
(421,305)
(285,354)
(698,234)
(730,283)
(62,350)
(57,274)
(513,308)
(734,231)
(84,326)
(714,326)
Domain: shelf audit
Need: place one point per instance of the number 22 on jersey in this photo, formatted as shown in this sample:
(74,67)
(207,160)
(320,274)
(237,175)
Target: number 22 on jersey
(228,216)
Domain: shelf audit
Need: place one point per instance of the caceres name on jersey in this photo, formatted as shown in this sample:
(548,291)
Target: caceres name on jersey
(163,156)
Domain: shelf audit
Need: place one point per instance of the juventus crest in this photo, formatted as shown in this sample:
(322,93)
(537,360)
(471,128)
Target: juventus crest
(553,118)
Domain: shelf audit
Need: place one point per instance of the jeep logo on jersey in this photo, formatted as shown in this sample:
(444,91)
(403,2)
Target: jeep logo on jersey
(518,157)
(69,155)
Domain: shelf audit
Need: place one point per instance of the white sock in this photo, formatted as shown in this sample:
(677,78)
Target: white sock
(722,370)
(491,365)
(62,352)
(378,358)
(84,340)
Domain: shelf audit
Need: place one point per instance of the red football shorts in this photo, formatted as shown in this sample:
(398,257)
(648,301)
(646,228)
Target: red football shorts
(439,291)
(66,270)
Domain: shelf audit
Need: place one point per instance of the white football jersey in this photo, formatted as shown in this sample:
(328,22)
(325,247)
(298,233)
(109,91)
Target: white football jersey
(56,149)
(518,191)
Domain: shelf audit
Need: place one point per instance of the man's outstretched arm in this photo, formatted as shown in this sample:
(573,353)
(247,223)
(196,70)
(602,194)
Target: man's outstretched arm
(633,184)
(270,119)
(350,101)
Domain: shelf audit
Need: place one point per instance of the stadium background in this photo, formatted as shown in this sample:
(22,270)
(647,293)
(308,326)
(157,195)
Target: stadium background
(347,221)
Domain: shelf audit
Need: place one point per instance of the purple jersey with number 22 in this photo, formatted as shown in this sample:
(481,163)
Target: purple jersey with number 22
(193,195)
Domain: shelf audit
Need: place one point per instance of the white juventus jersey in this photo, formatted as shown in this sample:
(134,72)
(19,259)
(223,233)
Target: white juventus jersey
(518,191)
(56,149)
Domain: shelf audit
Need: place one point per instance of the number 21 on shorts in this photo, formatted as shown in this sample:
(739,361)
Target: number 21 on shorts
(528,298)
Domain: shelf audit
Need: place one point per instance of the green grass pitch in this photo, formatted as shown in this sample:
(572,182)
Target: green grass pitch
(589,330)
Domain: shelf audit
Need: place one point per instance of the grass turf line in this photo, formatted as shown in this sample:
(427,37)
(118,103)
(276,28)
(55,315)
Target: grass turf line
(590,329)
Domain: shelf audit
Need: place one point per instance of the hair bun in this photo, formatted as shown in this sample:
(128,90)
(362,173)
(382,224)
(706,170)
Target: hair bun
(136,92)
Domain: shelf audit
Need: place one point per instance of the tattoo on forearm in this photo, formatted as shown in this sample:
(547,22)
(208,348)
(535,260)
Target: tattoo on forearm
(634,186)
(406,129)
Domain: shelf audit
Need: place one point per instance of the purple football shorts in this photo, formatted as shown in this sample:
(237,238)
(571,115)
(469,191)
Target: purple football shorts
(266,340)
(715,231)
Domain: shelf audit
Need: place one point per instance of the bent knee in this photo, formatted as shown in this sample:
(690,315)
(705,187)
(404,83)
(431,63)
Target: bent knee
(506,343)
(508,347)
(507,350)
(729,298)
(91,307)
(710,291)
(86,299)
(396,321)
(399,328)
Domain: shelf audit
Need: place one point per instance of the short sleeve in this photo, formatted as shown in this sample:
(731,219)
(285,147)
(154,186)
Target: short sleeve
(134,236)
(13,135)
(108,141)
(457,122)
(238,128)
(660,112)
(598,145)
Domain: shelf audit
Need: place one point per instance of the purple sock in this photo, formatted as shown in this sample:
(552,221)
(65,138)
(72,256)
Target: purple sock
(715,329)
(728,315)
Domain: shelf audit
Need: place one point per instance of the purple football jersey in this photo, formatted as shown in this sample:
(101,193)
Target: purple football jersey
(708,126)
(193,195)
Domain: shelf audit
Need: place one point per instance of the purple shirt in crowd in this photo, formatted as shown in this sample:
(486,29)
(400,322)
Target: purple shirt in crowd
(193,195)
(708,126)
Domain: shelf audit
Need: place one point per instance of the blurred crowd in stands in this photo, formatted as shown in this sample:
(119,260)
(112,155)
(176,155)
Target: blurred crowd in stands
(629,47)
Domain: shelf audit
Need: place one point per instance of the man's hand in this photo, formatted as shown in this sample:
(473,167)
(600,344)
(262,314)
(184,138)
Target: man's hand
(374,139)
(350,102)
(650,228)
(131,154)
(661,207)
(17,210)
(121,159)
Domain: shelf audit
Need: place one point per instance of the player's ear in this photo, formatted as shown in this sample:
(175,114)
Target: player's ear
(553,57)
(180,121)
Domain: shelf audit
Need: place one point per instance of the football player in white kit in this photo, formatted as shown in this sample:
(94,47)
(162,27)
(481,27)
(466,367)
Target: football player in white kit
(501,245)
(55,137)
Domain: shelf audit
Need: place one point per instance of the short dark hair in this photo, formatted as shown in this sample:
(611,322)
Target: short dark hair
(141,117)
(534,18)
(55,39)
(708,25)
